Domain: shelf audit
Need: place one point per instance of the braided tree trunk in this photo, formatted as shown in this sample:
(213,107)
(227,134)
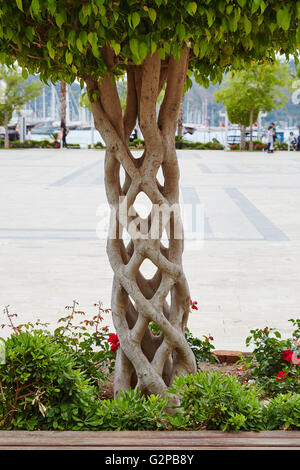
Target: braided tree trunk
(143,360)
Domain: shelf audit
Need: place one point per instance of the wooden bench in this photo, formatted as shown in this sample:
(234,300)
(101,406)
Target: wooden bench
(159,440)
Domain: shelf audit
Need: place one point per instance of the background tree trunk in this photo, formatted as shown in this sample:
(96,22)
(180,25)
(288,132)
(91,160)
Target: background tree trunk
(180,119)
(6,139)
(243,138)
(63,103)
(251,130)
(143,360)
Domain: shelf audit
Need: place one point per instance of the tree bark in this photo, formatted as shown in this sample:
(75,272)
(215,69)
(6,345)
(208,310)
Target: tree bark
(251,130)
(145,361)
(6,139)
(63,103)
(180,119)
(243,138)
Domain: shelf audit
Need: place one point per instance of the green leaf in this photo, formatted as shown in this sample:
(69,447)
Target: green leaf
(79,45)
(210,16)
(152,14)
(52,6)
(153,46)
(143,51)
(134,46)
(134,20)
(35,7)
(83,37)
(191,8)
(196,49)
(25,74)
(161,53)
(180,31)
(116,47)
(247,25)
(93,39)
(255,5)
(19,4)
(29,33)
(242,3)
(71,37)
(60,18)
(284,18)
(272,27)
(69,57)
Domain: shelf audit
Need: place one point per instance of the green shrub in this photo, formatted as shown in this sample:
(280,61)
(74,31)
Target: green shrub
(98,145)
(202,349)
(180,143)
(41,388)
(216,401)
(85,342)
(283,412)
(138,143)
(132,411)
(268,365)
(280,146)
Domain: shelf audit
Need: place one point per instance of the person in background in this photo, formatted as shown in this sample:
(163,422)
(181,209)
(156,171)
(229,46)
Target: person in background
(29,135)
(274,131)
(298,142)
(270,136)
(292,141)
(64,133)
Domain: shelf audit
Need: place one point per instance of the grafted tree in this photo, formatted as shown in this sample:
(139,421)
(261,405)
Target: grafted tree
(156,43)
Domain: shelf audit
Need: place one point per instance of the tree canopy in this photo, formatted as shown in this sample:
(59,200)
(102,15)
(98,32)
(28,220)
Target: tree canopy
(67,39)
(258,89)
(15,93)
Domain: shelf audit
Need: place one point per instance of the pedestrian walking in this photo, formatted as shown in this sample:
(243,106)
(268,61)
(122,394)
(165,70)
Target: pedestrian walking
(64,133)
(270,137)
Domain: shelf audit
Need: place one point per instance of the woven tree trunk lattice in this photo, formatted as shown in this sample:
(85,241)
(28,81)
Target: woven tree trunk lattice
(143,360)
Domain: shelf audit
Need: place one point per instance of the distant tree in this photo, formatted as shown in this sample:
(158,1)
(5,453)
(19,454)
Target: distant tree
(248,92)
(14,94)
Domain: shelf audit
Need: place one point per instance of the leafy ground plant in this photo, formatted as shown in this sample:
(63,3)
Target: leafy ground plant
(132,411)
(40,385)
(275,362)
(283,412)
(216,401)
(85,341)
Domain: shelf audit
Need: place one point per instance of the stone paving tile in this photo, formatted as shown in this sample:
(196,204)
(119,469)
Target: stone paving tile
(244,274)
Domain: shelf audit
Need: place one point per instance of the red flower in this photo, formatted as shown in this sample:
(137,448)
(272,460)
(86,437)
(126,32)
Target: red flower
(280,376)
(193,304)
(295,359)
(287,355)
(114,342)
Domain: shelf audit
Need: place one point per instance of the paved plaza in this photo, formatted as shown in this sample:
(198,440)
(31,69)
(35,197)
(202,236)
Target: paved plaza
(244,273)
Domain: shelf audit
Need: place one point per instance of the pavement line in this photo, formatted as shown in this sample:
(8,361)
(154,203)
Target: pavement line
(263,225)
(75,174)
(205,168)
(46,230)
